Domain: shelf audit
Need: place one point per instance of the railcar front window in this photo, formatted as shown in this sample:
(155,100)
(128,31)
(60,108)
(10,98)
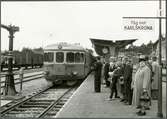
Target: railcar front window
(70,57)
(48,57)
(82,57)
(79,57)
(59,57)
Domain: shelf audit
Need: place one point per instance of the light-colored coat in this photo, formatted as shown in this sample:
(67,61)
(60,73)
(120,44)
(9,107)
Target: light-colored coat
(141,81)
(156,72)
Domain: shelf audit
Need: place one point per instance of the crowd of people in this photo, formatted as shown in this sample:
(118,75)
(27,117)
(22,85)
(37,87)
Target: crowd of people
(129,81)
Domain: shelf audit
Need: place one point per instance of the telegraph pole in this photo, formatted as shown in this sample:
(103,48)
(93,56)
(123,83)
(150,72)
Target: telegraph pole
(159,114)
(166,56)
(0,72)
(9,82)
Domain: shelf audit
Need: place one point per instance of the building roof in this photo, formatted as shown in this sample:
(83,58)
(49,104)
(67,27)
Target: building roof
(117,43)
(101,43)
(64,46)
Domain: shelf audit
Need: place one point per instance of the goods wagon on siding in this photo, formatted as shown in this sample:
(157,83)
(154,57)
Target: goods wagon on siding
(26,58)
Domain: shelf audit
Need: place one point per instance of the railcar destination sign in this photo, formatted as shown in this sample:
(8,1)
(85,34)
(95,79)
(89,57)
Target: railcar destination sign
(138,25)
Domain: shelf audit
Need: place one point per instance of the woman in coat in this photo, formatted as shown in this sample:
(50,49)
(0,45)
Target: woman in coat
(141,82)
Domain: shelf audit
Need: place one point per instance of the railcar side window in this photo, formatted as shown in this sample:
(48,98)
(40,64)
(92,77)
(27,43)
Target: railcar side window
(70,57)
(48,57)
(59,57)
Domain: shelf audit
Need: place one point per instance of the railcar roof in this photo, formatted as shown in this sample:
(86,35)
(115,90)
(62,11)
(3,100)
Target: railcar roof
(64,46)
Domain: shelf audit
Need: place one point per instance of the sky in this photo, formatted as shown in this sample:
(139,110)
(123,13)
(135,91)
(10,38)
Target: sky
(44,23)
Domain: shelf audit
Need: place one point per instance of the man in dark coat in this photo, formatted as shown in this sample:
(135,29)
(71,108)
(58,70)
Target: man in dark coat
(97,75)
(116,75)
(122,84)
(106,75)
(128,69)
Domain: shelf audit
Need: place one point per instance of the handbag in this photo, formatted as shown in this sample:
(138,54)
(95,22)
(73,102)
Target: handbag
(145,99)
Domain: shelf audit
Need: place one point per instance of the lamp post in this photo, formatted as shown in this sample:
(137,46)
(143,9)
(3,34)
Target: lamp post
(9,82)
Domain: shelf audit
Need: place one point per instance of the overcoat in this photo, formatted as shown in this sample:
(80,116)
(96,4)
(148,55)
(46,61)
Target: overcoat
(97,69)
(141,81)
(156,72)
(128,74)
(106,70)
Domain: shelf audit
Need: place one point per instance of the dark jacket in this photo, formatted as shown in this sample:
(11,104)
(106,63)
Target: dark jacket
(106,70)
(97,69)
(128,69)
(111,69)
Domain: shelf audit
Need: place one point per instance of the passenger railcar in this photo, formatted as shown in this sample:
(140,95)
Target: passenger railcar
(66,63)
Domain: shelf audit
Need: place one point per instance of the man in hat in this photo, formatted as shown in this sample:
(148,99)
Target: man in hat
(127,82)
(97,75)
(106,71)
(122,80)
(115,76)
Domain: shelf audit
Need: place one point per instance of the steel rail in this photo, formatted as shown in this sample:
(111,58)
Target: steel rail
(21,102)
(52,104)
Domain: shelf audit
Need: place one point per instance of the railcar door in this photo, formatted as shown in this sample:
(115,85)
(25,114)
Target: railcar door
(59,67)
(87,67)
(79,61)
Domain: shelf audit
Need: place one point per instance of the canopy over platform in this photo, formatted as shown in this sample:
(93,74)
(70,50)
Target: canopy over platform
(109,47)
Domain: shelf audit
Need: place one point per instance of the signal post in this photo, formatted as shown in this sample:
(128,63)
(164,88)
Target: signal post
(9,89)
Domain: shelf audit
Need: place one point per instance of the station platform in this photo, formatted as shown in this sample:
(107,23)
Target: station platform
(85,103)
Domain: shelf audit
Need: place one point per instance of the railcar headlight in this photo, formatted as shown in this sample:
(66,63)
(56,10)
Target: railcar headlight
(74,73)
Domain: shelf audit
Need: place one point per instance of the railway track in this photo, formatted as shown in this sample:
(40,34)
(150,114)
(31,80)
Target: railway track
(2,74)
(25,79)
(16,69)
(45,103)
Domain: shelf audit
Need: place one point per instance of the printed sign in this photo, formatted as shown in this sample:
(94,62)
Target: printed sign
(138,25)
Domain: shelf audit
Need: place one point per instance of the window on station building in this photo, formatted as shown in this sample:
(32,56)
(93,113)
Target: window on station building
(70,57)
(59,57)
(48,57)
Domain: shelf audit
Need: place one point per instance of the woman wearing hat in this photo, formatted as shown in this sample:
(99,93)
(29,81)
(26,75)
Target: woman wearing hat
(141,82)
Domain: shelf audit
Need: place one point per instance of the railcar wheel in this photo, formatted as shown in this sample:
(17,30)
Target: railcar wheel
(71,82)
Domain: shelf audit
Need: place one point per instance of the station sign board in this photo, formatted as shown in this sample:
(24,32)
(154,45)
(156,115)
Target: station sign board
(139,25)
